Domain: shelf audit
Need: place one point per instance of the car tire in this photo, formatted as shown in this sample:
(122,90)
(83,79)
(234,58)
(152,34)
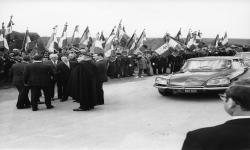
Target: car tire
(165,92)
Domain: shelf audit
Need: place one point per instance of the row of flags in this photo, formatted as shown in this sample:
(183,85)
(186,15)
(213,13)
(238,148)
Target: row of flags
(117,39)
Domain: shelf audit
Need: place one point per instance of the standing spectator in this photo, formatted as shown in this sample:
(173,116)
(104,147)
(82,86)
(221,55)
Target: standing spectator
(17,74)
(64,69)
(53,64)
(38,76)
(142,65)
(101,65)
(154,62)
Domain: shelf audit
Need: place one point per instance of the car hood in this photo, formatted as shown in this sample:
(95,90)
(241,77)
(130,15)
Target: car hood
(196,78)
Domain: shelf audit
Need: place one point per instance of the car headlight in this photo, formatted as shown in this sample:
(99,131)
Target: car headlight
(160,80)
(218,81)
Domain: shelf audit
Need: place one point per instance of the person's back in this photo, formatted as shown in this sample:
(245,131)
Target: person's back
(39,74)
(233,134)
(17,72)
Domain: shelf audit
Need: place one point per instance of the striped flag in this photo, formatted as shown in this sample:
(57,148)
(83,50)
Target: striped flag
(178,35)
(75,40)
(225,39)
(63,36)
(109,42)
(27,40)
(9,26)
(132,41)
(188,37)
(140,42)
(52,41)
(85,39)
(216,41)
(3,41)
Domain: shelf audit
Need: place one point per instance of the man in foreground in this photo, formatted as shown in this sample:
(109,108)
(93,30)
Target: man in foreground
(232,135)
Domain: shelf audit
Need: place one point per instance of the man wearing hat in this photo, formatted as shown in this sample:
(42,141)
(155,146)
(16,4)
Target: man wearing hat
(17,71)
(38,76)
(233,134)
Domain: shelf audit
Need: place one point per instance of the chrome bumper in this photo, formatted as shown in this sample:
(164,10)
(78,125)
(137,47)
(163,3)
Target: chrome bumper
(190,88)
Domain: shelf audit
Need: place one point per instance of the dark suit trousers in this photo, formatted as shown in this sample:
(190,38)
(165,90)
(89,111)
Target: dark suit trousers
(65,93)
(100,93)
(35,94)
(59,89)
(23,99)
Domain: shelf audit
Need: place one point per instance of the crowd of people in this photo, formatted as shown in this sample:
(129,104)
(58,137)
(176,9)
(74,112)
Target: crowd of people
(80,78)
(66,67)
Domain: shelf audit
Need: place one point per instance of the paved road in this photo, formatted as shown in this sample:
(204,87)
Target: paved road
(134,116)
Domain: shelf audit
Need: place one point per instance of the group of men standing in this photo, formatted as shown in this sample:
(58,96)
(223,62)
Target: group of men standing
(42,75)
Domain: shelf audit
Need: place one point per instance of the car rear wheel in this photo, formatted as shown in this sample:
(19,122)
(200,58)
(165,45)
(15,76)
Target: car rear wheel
(165,92)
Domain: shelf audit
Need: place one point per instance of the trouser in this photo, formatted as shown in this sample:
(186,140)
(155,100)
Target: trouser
(100,93)
(65,93)
(23,99)
(146,71)
(35,93)
(59,89)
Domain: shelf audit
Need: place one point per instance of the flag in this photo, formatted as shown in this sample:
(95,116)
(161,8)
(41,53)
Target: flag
(9,26)
(124,38)
(102,39)
(216,41)
(140,42)
(75,37)
(119,31)
(63,36)
(109,42)
(85,39)
(198,37)
(169,42)
(3,41)
(225,39)
(188,37)
(51,45)
(27,40)
(132,41)
(178,35)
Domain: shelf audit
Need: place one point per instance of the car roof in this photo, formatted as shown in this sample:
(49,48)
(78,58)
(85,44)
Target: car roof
(215,58)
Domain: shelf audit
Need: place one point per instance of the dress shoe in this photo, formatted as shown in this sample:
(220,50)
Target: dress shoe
(39,102)
(34,109)
(80,109)
(63,100)
(50,107)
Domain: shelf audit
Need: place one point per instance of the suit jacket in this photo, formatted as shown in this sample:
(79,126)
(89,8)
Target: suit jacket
(232,135)
(17,71)
(63,71)
(38,74)
(53,66)
(102,70)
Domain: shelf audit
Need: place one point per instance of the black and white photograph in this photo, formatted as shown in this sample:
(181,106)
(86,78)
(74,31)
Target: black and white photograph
(125,74)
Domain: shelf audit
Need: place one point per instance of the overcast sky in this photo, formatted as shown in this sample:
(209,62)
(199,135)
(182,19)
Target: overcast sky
(156,16)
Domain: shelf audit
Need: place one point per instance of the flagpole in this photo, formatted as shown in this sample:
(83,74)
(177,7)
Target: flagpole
(24,40)
(130,39)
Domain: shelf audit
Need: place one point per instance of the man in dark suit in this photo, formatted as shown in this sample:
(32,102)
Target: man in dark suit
(64,69)
(38,76)
(101,65)
(53,64)
(232,135)
(17,72)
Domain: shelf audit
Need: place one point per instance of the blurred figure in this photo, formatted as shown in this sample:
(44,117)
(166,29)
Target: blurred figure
(17,74)
(64,69)
(53,63)
(101,65)
(154,62)
(232,135)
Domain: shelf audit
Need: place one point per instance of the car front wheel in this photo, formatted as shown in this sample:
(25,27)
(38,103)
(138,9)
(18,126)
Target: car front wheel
(165,92)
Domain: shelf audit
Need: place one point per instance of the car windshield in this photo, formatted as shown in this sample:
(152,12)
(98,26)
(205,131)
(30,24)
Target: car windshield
(206,65)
